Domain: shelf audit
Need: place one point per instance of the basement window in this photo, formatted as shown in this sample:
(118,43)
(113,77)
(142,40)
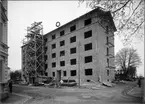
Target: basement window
(62,63)
(53,74)
(62,33)
(62,53)
(64,73)
(73,50)
(53,64)
(73,61)
(88,34)
(87,22)
(73,72)
(88,59)
(73,39)
(88,46)
(53,55)
(88,72)
(62,43)
(72,28)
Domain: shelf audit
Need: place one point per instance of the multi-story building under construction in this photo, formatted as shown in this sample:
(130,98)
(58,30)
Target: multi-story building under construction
(82,49)
(32,53)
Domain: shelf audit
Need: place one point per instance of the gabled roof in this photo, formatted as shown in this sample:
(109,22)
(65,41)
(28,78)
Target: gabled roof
(101,13)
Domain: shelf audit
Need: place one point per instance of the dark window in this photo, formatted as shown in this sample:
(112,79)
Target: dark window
(72,28)
(88,46)
(46,66)
(88,72)
(88,59)
(88,34)
(62,33)
(53,36)
(64,73)
(73,50)
(62,63)
(73,39)
(73,72)
(107,72)
(45,40)
(53,64)
(53,73)
(45,57)
(108,62)
(73,61)
(53,55)
(62,53)
(62,43)
(45,49)
(107,51)
(87,21)
(46,74)
(53,46)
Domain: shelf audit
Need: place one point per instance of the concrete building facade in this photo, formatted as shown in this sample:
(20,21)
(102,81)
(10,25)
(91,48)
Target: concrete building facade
(3,46)
(82,49)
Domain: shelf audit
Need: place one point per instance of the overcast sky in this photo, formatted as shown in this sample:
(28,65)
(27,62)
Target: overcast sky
(22,14)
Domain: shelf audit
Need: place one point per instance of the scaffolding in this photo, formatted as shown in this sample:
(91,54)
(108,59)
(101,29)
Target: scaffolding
(33,53)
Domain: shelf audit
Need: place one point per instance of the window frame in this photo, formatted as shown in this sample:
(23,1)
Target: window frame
(87,21)
(62,43)
(71,61)
(85,47)
(86,60)
(72,71)
(87,34)
(71,39)
(72,28)
(86,74)
(72,51)
(62,33)
(53,47)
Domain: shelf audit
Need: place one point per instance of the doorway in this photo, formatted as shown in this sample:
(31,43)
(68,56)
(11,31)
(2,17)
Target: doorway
(58,75)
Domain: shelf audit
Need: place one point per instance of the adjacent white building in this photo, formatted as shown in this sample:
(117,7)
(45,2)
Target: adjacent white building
(3,47)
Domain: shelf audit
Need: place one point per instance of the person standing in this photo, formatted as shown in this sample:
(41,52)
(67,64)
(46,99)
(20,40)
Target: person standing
(139,82)
(10,85)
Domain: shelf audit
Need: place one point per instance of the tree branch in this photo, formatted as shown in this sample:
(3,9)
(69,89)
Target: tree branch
(137,28)
(132,13)
(122,6)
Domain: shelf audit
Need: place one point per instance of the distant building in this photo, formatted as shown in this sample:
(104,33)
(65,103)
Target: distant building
(3,45)
(82,49)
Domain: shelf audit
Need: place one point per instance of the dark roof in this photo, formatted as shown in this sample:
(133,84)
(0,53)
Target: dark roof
(100,12)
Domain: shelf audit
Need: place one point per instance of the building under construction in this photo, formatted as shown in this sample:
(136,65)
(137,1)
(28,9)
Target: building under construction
(33,54)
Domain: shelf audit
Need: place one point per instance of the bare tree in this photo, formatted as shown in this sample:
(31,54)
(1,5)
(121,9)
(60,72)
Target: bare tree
(126,58)
(128,16)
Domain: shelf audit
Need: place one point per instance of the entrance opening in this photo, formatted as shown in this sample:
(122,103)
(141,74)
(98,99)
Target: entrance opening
(59,75)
